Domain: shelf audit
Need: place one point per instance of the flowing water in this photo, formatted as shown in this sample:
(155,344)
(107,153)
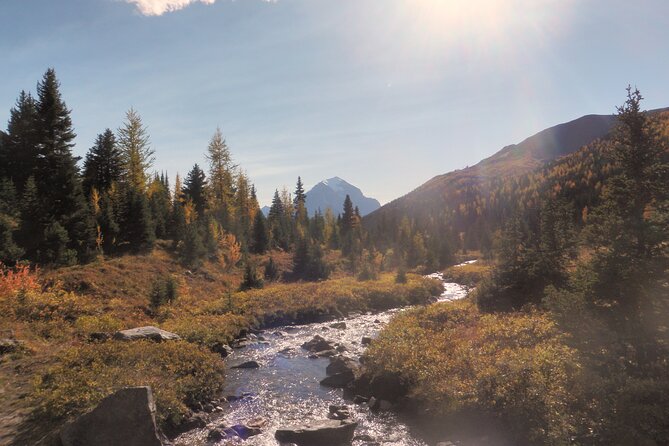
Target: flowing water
(285,390)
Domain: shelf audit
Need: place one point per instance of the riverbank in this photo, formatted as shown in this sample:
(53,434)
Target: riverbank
(64,366)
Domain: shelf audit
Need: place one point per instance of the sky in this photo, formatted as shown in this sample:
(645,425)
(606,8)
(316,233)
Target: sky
(383,93)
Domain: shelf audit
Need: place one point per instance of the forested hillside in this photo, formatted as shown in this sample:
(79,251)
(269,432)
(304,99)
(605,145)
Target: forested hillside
(469,206)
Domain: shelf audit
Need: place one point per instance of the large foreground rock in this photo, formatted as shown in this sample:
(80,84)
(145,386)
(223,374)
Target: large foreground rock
(126,418)
(148,332)
(322,433)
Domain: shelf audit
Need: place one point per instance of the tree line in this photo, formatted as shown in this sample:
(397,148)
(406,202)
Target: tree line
(55,213)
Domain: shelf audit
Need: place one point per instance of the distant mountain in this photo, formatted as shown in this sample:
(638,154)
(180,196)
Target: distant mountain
(332,192)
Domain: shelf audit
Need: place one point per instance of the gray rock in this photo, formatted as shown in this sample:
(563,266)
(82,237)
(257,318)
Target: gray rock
(338,380)
(126,417)
(247,365)
(317,344)
(148,332)
(322,433)
(340,364)
(339,325)
(366,340)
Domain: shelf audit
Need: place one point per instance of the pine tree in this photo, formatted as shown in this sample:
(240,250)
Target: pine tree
(108,224)
(272,270)
(192,249)
(57,176)
(195,189)
(138,229)
(20,146)
(32,225)
(103,165)
(279,233)
(260,241)
(348,216)
(137,155)
(300,202)
(251,278)
(160,205)
(628,231)
(244,210)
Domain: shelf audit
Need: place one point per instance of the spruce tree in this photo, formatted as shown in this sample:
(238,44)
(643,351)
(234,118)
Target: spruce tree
(628,231)
(31,228)
(277,223)
(138,229)
(20,147)
(195,189)
(260,242)
(103,165)
(57,177)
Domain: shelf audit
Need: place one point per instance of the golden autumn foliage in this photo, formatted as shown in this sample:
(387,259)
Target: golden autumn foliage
(456,359)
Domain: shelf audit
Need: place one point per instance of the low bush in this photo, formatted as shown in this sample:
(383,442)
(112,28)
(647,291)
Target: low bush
(470,274)
(207,329)
(456,360)
(302,302)
(163,291)
(179,373)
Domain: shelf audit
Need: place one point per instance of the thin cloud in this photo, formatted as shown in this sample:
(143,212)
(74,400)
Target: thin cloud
(160,7)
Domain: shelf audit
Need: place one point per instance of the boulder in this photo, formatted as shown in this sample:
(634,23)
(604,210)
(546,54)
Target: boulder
(126,417)
(339,325)
(326,353)
(366,340)
(317,344)
(338,380)
(247,365)
(322,433)
(340,364)
(384,386)
(148,332)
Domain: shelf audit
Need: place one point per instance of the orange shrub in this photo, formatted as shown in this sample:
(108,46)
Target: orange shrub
(19,278)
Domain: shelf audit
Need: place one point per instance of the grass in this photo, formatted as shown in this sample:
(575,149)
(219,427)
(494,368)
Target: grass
(65,374)
(470,274)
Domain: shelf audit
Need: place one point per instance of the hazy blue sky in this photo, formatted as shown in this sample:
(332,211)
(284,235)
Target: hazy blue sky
(383,93)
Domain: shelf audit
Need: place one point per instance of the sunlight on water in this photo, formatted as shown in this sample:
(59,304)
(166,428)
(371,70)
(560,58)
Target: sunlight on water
(285,390)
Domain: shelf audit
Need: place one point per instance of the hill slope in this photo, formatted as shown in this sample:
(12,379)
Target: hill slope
(471,203)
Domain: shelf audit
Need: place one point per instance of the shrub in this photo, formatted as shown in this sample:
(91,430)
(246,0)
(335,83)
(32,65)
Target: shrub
(455,360)
(401,276)
(163,291)
(179,373)
(208,329)
(272,270)
(251,278)
(19,278)
(471,274)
